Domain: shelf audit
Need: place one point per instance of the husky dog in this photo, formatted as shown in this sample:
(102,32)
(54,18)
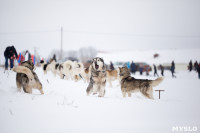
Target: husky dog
(27,78)
(85,74)
(98,77)
(67,69)
(130,84)
(58,68)
(53,67)
(112,75)
(78,66)
(45,66)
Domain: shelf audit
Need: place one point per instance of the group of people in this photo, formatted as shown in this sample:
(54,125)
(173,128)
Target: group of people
(134,67)
(195,67)
(10,55)
(172,69)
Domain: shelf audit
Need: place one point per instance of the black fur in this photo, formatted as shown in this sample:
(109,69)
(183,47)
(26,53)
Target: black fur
(41,61)
(60,66)
(45,66)
(70,67)
(56,66)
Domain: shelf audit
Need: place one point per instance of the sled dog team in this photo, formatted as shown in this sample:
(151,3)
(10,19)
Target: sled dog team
(96,75)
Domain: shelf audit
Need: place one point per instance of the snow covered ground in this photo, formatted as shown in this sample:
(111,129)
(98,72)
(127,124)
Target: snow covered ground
(65,108)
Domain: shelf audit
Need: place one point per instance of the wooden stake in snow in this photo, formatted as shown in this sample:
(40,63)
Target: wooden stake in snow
(159,92)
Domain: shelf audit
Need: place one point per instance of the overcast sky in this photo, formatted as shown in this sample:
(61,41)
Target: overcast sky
(105,24)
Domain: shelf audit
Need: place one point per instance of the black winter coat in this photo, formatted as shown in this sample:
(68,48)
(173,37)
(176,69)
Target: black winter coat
(10,51)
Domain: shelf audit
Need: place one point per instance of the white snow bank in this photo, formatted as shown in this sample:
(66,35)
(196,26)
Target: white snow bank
(65,108)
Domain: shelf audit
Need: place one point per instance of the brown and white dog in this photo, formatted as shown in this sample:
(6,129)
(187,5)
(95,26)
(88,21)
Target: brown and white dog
(67,69)
(112,75)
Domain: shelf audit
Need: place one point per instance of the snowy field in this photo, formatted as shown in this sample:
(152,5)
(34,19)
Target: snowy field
(65,108)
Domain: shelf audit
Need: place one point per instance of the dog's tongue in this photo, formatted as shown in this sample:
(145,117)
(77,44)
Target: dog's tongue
(96,66)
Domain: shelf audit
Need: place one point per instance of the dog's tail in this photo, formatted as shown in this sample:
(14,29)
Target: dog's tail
(157,81)
(67,65)
(24,70)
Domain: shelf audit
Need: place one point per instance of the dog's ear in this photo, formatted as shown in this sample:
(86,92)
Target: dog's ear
(101,59)
(93,60)
(125,67)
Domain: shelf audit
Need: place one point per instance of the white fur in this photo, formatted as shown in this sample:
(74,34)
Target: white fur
(68,69)
(99,63)
(77,67)
(27,71)
(59,72)
(86,76)
(52,68)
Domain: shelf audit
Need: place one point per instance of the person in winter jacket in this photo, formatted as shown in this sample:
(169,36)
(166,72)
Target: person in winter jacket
(27,55)
(23,56)
(111,66)
(195,66)
(198,69)
(133,67)
(141,70)
(190,66)
(54,57)
(155,70)
(10,53)
(162,70)
(173,69)
(128,65)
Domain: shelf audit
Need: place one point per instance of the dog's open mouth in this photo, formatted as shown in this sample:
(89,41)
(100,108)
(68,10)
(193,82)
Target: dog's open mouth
(96,66)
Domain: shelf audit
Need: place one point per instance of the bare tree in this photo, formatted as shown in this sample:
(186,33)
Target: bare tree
(84,54)
(87,53)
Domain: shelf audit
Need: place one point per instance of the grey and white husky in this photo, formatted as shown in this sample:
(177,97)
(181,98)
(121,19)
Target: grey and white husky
(98,77)
(130,84)
(27,78)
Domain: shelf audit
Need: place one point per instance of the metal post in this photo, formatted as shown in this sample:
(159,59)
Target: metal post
(61,50)
(159,92)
